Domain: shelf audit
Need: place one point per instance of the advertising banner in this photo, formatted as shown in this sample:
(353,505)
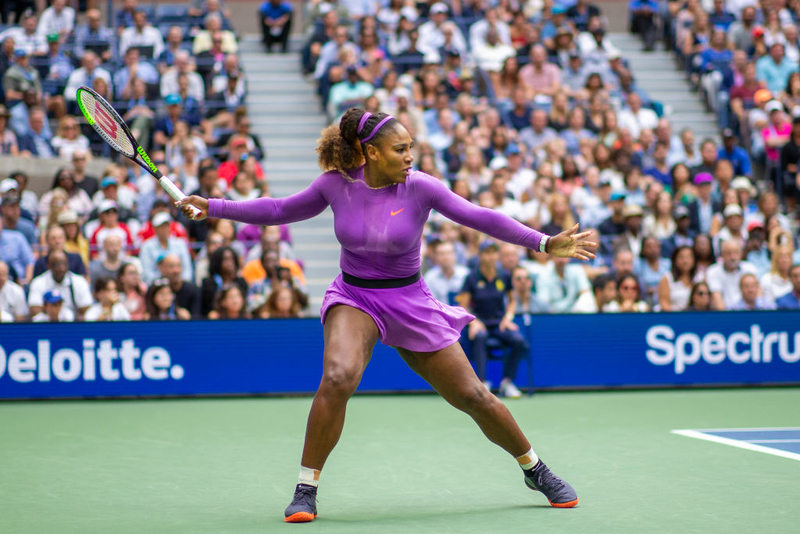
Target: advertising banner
(285,356)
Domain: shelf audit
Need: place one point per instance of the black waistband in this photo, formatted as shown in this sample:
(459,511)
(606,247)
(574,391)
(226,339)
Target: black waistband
(387,283)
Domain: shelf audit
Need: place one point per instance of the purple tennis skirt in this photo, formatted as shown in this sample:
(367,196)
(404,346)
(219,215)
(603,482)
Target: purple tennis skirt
(408,317)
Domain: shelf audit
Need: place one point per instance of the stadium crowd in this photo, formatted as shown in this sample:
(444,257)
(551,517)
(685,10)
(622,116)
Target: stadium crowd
(525,107)
(112,246)
(528,108)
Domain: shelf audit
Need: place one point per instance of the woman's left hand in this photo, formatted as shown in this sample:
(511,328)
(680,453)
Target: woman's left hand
(570,244)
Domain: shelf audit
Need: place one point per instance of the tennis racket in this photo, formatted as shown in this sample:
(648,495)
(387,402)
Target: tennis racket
(107,122)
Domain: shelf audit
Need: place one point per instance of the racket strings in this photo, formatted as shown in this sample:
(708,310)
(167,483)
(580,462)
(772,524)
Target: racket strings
(107,124)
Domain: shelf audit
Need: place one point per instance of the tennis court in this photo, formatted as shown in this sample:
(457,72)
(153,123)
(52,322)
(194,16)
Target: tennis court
(404,464)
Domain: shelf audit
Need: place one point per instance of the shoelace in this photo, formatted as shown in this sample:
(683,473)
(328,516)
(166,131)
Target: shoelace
(546,479)
(304,494)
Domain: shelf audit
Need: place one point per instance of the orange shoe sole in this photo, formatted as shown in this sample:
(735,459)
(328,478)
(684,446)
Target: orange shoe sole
(300,517)
(570,504)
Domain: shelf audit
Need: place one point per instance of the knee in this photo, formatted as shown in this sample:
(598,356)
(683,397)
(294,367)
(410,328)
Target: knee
(476,399)
(339,382)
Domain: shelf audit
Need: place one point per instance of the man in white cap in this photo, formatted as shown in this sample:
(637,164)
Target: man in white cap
(53,309)
(733,228)
(74,289)
(163,244)
(431,33)
(724,276)
(108,213)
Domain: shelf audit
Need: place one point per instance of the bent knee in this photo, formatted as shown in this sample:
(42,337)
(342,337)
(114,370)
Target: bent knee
(475,399)
(340,382)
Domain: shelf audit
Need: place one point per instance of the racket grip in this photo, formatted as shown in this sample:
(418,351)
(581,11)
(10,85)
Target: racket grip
(174,192)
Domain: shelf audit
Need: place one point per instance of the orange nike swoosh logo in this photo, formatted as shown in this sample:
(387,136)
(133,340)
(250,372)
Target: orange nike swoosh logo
(396,212)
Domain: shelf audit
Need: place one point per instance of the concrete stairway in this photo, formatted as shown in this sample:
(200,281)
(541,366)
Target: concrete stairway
(657,73)
(285,113)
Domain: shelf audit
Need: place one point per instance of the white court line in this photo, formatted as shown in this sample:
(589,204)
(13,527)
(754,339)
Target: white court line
(756,429)
(773,440)
(736,443)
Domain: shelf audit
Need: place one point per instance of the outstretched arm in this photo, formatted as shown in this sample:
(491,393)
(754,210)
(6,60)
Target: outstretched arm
(567,244)
(263,211)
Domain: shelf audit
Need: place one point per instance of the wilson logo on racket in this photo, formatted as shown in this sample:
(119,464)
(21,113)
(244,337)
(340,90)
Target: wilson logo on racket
(146,159)
(105,122)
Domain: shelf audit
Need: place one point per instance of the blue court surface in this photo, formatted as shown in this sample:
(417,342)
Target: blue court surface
(783,442)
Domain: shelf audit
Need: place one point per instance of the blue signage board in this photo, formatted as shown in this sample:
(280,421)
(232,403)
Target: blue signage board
(285,356)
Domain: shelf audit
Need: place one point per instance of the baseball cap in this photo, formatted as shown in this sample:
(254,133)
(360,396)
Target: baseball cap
(773,105)
(438,7)
(8,200)
(559,10)
(160,218)
(758,31)
(617,195)
(604,180)
(67,217)
(20,52)
(106,205)
(108,180)
(703,178)
(632,210)
(761,96)
(512,149)
(498,163)
(731,210)
(741,182)
(172,99)
(52,37)
(487,245)
(755,225)
(680,212)
(727,133)
(53,296)
(9,184)
(238,142)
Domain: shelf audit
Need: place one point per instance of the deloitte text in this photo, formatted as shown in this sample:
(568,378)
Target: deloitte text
(98,361)
(714,347)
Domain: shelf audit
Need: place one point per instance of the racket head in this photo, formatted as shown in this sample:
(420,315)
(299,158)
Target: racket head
(106,122)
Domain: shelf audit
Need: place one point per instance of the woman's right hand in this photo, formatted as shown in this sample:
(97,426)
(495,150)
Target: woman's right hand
(196,201)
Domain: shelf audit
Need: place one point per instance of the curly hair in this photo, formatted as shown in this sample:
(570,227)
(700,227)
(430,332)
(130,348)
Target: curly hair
(340,148)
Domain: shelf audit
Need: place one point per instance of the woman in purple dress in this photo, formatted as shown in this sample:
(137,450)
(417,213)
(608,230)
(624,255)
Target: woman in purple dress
(380,207)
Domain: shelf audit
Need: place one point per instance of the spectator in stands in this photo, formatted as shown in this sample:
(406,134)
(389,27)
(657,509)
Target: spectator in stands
(132,290)
(446,278)
(724,277)
(628,297)
(134,68)
(789,169)
(351,92)
(183,65)
(202,40)
(605,291)
(161,303)
(564,288)
(538,133)
(187,295)
(12,296)
(161,245)
(69,139)
(644,15)
(751,299)
(223,271)
(172,45)
(737,155)
(141,34)
(432,32)
(675,285)
(108,214)
(282,303)
(74,288)
(8,140)
(241,125)
(479,31)
(740,33)
(276,21)
(715,60)
(791,300)
(11,213)
(95,36)
(84,181)
(108,306)
(651,267)
(774,70)
(111,259)
(25,35)
(237,155)
(59,18)
(615,224)
(53,309)
(126,14)
(89,71)
(56,242)
(635,117)
(17,253)
(164,126)
(540,78)
(75,242)
(776,282)
(230,303)
(488,292)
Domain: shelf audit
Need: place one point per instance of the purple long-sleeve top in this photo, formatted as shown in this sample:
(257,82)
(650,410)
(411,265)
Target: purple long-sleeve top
(379,229)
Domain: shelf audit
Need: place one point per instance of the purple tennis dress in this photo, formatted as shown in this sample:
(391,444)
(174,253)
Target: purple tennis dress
(380,231)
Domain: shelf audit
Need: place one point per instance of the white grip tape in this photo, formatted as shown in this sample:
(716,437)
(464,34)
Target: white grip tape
(175,193)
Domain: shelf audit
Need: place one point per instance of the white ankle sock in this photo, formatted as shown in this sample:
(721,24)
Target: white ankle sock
(528,460)
(308,476)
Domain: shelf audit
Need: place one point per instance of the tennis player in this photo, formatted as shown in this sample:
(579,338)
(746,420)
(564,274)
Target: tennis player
(380,206)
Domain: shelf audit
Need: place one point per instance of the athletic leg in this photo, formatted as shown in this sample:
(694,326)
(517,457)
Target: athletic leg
(350,335)
(451,375)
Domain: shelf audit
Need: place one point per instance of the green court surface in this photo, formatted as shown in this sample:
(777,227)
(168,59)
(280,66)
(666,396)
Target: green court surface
(404,464)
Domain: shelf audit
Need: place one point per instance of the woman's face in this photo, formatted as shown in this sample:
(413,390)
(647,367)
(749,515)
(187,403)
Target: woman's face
(130,277)
(629,290)
(233,301)
(66,180)
(242,184)
(70,230)
(393,156)
(611,120)
(664,204)
(163,298)
(228,263)
(702,247)
(680,175)
(684,260)
(730,197)
(271,261)
(473,160)
(284,301)
(559,207)
(651,249)
(783,259)
(70,129)
(702,298)
(769,204)
(461,189)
